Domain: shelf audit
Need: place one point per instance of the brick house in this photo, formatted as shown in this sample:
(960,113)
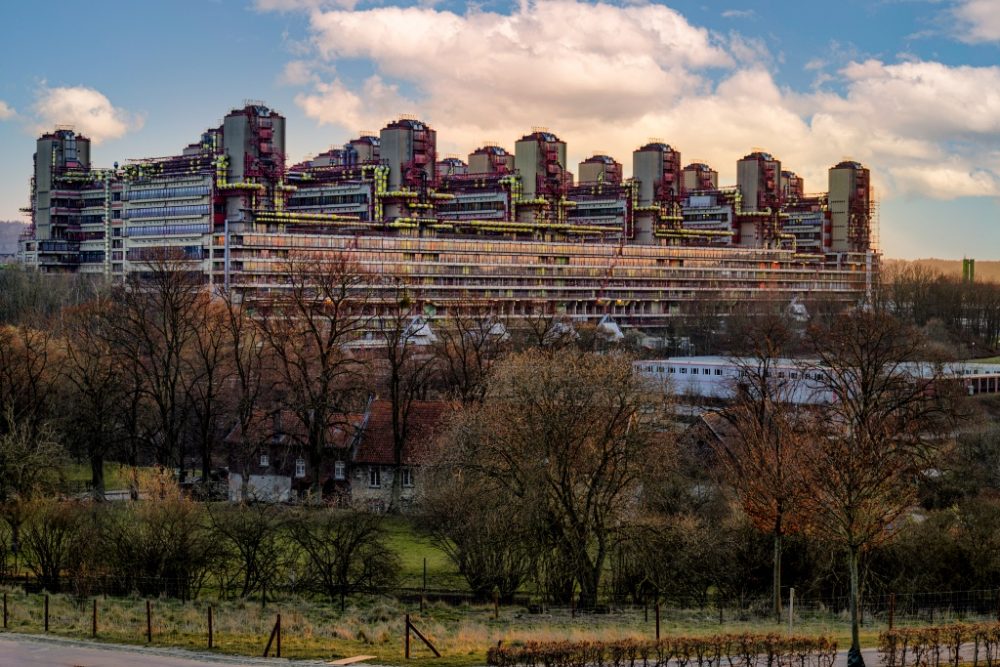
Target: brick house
(358,465)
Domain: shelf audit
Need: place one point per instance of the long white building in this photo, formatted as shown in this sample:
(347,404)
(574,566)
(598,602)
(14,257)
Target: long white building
(797,380)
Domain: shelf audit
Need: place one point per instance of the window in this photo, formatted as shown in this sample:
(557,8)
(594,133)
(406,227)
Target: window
(374,477)
(706,371)
(694,371)
(264,461)
(672,369)
(407,474)
(684,370)
(300,467)
(718,371)
(339,470)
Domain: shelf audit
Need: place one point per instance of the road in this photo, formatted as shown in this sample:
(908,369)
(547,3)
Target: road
(33,651)
(45,651)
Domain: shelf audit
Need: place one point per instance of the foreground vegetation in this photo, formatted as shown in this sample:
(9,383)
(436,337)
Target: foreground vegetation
(374,626)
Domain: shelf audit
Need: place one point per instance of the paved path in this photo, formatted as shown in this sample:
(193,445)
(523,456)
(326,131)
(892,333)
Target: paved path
(17,650)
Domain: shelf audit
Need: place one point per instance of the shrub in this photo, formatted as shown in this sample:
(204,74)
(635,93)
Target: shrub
(737,650)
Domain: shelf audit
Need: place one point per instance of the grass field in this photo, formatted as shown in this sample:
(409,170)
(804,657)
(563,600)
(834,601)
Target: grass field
(413,547)
(372,627)
(116,475)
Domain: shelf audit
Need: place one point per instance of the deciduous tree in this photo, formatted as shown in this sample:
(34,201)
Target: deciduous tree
(888,416)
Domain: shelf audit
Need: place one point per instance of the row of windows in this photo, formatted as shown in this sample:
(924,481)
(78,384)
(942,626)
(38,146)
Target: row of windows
(167,230)
(326,200)
(168,193)
(145,254)
(629,254)
(168,211)
(92,219)
(340,471)
(92,256)
(685,370)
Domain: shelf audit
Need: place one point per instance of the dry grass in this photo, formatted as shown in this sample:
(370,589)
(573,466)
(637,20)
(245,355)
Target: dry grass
(320,630)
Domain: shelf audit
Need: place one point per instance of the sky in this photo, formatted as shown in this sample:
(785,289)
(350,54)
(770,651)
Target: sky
(910,88)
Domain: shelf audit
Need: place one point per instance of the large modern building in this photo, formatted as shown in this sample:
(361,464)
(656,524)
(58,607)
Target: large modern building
(513,231)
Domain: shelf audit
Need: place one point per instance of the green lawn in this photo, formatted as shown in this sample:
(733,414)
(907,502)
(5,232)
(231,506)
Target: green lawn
(115,475)
(985,360)
(413,547)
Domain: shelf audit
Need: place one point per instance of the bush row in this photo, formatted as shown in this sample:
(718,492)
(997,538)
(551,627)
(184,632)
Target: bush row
(730,650)
(939,646)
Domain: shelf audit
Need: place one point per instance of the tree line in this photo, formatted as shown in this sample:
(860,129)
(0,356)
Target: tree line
(561,471)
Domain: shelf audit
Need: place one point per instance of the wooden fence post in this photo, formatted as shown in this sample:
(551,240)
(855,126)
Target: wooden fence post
(420,635)
(209,626)
(275,634)
(892,609)
(4,611)
(149,623)
(46,612)
(93,621)
(657,609)
(791,608)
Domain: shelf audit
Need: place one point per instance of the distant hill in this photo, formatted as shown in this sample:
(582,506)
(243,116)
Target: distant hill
(9,231)
(986,271)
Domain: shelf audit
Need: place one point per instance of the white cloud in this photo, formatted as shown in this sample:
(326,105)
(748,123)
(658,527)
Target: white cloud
(945,181)
(335,104)
(738,14)
(528,65)
(6,112)
(978,20)
(297,73)
(923,127)
(86,109)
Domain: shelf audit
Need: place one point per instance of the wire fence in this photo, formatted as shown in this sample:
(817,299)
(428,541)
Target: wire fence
(923,607)
(376,622)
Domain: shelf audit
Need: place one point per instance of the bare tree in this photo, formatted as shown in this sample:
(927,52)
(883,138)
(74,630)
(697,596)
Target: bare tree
(470,520)
(566,435)
(309,329)
(210,364)
(249,382)
(760,454)
(154,327)
(888,413)
(95,388)
(29,367)
(405,339)
(466,348)
(253,546)
(345,551)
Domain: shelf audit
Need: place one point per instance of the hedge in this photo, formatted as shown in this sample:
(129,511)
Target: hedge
(731,650)
(941,646)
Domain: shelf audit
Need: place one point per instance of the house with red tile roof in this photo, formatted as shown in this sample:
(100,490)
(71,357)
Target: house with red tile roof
(358,466)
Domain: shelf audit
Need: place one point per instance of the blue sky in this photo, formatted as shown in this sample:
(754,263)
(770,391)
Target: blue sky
(910,87)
